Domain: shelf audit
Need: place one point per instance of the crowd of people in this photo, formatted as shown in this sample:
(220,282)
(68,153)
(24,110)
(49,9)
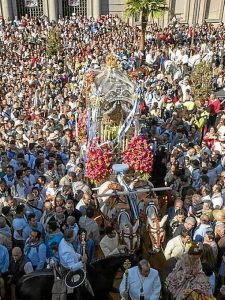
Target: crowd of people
(46,201)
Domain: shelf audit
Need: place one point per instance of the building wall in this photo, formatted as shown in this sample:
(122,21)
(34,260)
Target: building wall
(186,11)
(114,7)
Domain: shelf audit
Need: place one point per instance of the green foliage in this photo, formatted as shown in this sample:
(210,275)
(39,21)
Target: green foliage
(54,45)
(201,81)
(154,8)
(146,8)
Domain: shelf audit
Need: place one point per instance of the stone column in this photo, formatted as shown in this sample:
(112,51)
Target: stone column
(53,10)
(96,8)
(7,9)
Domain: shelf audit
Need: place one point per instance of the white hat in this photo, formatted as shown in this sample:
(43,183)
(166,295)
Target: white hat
(18,123)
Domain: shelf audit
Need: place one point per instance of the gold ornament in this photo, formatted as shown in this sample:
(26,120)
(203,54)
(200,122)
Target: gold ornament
(111,61)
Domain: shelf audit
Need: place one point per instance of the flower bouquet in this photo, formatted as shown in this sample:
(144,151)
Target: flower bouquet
(139,156)
(99,162)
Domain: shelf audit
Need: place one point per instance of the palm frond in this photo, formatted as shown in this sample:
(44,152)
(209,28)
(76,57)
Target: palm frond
(152,7)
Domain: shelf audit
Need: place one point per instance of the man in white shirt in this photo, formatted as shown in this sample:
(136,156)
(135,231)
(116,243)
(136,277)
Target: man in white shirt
(142,282)
(110,242)
(151,58)
(216,198)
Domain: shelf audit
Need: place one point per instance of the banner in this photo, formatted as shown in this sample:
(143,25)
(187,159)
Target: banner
(73,2)
(31,3)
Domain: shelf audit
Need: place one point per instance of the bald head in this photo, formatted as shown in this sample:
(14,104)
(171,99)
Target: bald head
(16,253)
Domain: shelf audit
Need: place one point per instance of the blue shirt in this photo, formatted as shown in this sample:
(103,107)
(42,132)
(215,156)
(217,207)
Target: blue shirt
(19,223)
(200,232)
(28,229)
(50,238)
(4,259)
(36,253)
(69,259)
(32,210)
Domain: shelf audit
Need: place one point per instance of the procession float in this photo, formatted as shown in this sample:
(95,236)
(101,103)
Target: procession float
(119,160)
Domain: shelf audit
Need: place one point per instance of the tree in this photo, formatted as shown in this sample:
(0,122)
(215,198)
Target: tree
(201,82)
(146,8)
(54,44)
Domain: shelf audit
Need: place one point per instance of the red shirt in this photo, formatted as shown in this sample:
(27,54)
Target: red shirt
(214,106)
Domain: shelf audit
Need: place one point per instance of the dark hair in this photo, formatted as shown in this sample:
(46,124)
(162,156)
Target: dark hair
(90,211)
(80,165)
(195,249)
(38,233)
(207,269)
(19,208)
(31,216)
(52,225)
(19,174)
(184,233)
(20,155)
(40,152)
(5,210)
(211,235)
(31,146)
(42,177)
(180,211)
(205,178)
(82,230)
(51,155)
(38,162)
(208,256)
(109,230)
(10,167)
(35,188)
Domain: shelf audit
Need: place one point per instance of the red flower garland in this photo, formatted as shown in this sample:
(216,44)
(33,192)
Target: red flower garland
(139,156)
(99,162)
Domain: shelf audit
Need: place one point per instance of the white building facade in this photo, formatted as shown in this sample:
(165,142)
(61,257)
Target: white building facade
(186,11)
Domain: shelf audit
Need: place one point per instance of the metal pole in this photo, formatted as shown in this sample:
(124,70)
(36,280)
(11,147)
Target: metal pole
(160,189)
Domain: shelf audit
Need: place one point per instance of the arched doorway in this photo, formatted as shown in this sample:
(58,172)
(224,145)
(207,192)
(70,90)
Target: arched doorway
(36,11)
(79,10)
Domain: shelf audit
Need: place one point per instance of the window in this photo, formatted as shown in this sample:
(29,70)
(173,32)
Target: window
(80,10)
(213,8)
(31,12)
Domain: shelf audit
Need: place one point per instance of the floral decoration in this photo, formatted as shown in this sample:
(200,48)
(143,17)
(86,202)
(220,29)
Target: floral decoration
(99,162)
(139,156)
